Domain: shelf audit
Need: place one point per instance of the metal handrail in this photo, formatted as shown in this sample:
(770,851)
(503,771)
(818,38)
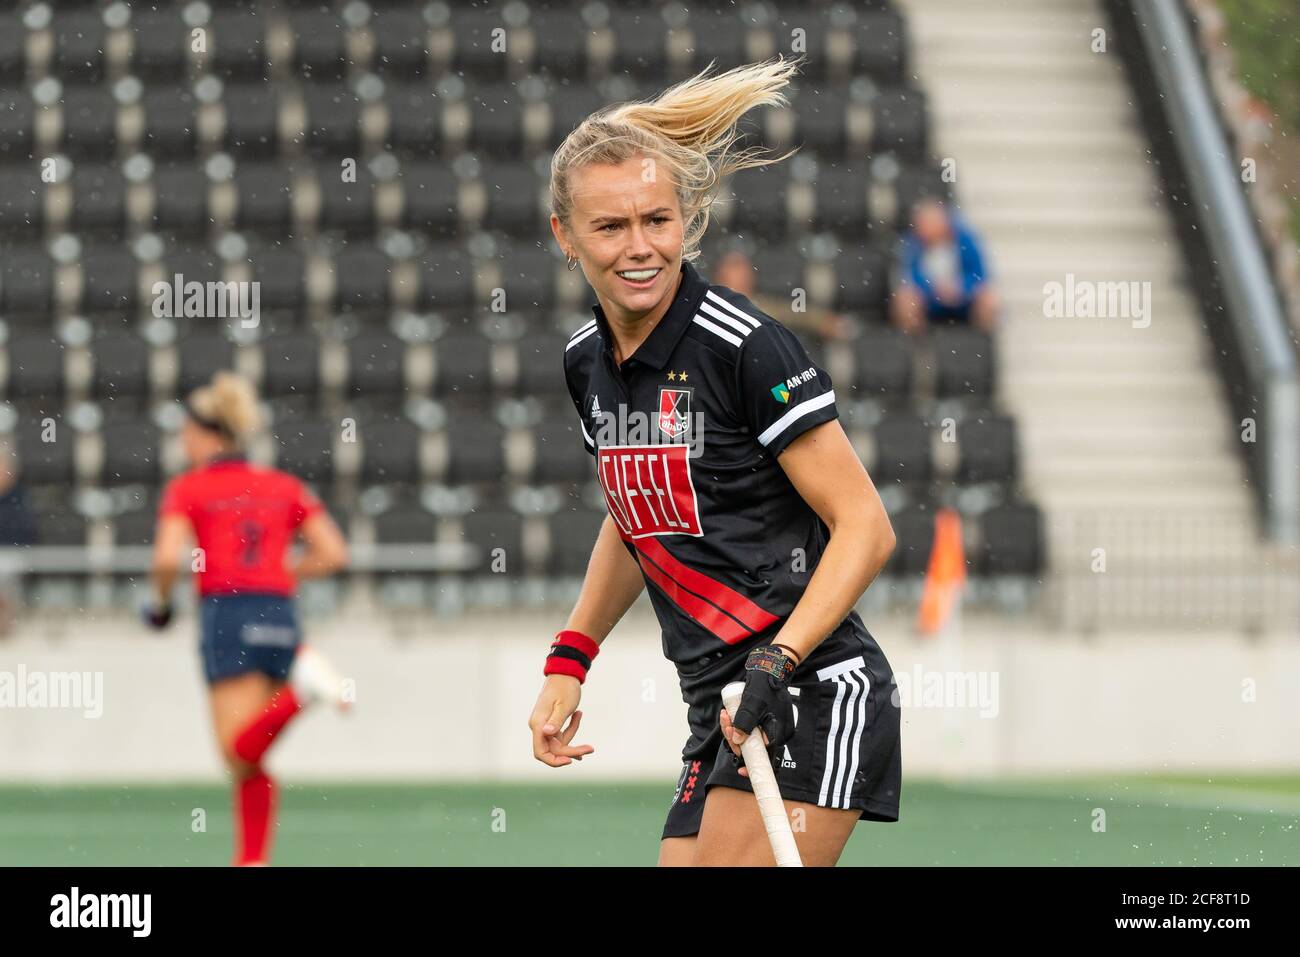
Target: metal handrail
(1250,297)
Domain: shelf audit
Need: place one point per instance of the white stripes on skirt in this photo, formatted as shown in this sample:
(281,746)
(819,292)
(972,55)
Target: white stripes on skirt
(848,720)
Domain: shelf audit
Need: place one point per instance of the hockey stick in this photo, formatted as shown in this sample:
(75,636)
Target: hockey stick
(763,778)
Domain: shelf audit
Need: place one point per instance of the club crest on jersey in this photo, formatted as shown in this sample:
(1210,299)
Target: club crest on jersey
(674,412)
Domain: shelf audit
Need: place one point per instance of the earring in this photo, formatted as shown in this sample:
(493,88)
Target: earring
(573,264)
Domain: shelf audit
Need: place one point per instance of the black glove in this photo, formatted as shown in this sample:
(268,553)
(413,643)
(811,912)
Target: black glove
(157,617)
(766,701)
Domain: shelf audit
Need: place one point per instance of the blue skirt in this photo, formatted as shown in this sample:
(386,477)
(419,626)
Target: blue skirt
(247,632)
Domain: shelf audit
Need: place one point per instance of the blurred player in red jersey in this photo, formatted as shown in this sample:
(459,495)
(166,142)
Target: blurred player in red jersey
(243,518)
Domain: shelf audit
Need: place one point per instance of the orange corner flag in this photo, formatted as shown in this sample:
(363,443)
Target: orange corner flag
(946,575)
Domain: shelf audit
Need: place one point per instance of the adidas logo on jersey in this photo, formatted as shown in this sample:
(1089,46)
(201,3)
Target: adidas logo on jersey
(787,760)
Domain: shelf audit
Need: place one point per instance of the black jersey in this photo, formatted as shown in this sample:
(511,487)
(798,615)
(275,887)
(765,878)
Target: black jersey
(686,434)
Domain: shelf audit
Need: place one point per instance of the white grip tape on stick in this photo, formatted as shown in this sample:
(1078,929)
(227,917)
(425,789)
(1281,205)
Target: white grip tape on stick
(763,779)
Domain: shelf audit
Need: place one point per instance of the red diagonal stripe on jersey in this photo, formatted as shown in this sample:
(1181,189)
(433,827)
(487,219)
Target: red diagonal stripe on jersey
(725,627)
(728,599)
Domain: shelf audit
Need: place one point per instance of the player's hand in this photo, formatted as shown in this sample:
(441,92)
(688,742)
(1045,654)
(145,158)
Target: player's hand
(735,739)
(557,704)
(765,704)
(157,617)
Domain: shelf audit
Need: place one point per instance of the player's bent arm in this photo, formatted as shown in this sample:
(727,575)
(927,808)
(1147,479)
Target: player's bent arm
(827,473)
(612,583)
(327,550)
(169,537)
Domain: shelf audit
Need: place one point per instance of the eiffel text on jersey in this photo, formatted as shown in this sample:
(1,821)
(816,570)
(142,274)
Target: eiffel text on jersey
(648,489)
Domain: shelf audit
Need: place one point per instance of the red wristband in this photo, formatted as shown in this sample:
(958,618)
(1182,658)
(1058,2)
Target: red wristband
(571,654)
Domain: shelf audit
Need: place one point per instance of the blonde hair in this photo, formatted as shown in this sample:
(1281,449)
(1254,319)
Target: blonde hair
(229,403)
(690,127)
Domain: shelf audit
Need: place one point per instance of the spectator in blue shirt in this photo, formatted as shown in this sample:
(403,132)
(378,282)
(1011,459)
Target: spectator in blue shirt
(941,273)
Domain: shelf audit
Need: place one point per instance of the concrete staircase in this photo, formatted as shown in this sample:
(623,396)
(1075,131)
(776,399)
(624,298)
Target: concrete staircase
(1053,171)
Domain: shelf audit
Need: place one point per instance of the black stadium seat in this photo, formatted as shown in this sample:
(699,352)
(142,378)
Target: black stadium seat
(464,362)
(12,49)
(109,283)
(347,206)
(476,53)
(561,40)
(121,366)
(987,446)
(446,278)
(22,204)
(760,208)
(843,199)
(475,448)
(528,275)
(540,363)
(130,453)
(99,200)
(305,448)
(264,198)
(237,44)
(171,122)
(821,116)
(558,455)
(861,280)
(409,525)
(199,357)
(903,450)
(17,125)
(414,120)
(79,45)
(60,528)
(498,533)
(430,198)
(640,41)
(914,531)
(496,119)
(390,451)
(319,45)
(36,366)
(252,120)
(880,45)
(160,43)
(963,362)
(89,123)
(375,364)
(135,526)
(1011,541)
(362,279)
(883,364)
(26,282)
(513,199)
(280,272)
(45,462)
(291,365)
(333,126)
(573,535)
(180,205)
(899,122)
(401,42)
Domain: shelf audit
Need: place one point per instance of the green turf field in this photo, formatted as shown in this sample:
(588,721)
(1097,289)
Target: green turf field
(1225,820)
